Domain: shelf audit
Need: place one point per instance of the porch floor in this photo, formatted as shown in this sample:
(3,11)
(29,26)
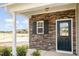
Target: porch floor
(48,53)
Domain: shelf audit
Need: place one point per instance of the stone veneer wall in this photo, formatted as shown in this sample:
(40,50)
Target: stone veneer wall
(42,41)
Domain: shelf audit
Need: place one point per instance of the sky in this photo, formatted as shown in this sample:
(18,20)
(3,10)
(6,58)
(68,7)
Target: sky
(6,21)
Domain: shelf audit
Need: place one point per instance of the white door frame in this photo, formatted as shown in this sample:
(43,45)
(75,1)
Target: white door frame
(71,36)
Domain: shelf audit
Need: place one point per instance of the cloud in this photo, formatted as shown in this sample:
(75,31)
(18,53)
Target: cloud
(17,22)
(24,21)
(20,24)
(11,21)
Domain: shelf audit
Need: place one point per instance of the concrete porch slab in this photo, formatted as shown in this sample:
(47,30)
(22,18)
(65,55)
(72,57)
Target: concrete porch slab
(48,53)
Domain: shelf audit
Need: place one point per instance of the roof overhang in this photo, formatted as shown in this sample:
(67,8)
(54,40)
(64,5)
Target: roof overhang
(37,8)
(6,4)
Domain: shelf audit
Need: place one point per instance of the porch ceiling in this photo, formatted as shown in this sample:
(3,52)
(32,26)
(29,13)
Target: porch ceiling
(38,6)
(33,8)
(24,7)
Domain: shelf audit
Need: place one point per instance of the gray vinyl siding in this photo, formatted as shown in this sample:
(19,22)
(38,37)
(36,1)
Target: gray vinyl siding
(77,17)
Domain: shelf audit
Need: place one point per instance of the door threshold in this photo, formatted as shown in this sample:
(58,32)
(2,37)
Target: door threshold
(67,52)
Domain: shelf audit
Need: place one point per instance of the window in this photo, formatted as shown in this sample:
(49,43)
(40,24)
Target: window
(40,27)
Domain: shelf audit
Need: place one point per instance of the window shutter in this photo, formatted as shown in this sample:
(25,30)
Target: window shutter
(34,28)
(46,26)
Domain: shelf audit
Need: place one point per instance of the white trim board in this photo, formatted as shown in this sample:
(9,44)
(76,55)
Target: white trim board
(71,36)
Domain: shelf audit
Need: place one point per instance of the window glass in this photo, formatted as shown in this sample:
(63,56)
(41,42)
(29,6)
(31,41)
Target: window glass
(40,30)
(40,27)
(40,24)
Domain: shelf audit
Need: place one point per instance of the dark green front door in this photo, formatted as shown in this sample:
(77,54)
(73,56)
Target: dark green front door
(64,35)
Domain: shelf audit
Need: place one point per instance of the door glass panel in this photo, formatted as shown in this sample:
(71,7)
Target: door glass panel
(64,29)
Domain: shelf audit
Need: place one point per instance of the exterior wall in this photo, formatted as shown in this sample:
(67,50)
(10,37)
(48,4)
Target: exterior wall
(48,41)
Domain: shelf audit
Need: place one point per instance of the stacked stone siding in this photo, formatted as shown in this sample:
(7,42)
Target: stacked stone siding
(48,41)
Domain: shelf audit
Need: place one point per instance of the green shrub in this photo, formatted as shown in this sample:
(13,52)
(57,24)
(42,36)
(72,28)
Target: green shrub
(1,51)
(22,50)
(36,53)
(6,52)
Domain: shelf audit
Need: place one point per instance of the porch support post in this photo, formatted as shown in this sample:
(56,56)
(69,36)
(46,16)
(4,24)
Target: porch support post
(77,26)
(14,35)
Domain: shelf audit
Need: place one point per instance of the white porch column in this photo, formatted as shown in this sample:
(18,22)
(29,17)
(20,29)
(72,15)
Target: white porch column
(14,35)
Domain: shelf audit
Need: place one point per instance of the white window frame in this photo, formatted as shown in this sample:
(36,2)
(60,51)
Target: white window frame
(40,27)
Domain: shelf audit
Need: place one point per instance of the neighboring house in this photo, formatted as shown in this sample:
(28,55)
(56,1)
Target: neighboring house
(52,26)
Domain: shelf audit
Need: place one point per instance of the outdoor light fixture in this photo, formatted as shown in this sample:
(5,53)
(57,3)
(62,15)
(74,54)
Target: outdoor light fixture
(47,9)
